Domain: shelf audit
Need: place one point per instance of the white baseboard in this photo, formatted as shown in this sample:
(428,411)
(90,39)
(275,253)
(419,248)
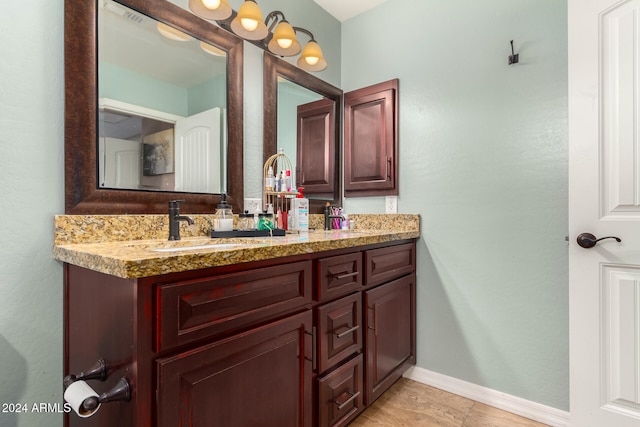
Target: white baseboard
(516,405)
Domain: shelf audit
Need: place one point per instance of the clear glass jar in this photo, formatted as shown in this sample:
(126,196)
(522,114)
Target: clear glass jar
(223,217)
(246,221)
(265,221)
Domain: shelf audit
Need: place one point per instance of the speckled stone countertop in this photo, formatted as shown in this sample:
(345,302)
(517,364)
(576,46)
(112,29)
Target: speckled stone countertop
(134,246)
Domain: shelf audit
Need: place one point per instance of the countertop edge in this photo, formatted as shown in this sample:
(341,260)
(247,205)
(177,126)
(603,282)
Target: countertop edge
(121,259)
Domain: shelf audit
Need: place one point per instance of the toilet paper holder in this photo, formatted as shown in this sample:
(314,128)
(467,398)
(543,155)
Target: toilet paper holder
(97,372)
(120,392)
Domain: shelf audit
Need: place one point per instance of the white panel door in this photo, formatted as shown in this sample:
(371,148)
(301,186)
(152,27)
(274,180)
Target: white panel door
(198,152)
(604,200)
(122,160)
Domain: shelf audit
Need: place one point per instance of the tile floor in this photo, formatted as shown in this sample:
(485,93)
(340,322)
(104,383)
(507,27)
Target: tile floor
(410,404)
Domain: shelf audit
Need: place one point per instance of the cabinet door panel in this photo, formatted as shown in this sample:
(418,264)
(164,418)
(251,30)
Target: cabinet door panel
(390,334)
(316,157)
(262,377)
(371,140)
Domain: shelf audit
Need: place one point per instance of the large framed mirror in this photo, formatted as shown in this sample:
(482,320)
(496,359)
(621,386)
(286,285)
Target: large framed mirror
(302,116)
(139,97)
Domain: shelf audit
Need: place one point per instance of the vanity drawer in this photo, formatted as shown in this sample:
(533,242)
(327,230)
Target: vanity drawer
(339,275)
(191,310)
(385,264)
(340,394)
(339,330)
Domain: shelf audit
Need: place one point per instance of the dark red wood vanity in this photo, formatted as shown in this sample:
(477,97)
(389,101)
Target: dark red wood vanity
(303,340)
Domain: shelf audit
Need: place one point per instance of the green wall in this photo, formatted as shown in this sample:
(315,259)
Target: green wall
(31,178)
(483,160)
(127,86)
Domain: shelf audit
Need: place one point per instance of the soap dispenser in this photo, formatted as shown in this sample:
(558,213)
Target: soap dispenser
(223,217)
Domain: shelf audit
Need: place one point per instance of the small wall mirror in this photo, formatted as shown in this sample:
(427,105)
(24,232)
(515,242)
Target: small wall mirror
(302,116)
(163,118)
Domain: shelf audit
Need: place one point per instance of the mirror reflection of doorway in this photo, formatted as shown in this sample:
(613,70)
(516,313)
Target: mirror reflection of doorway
(121,163)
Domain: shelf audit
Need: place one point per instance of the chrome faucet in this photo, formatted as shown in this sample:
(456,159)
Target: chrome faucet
(175,218)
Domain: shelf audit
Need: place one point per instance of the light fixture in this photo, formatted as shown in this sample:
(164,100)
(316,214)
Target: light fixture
(248,24)
(172,33)
(214,10)
(212,49)
(311,58)
(284,41)
(274,34)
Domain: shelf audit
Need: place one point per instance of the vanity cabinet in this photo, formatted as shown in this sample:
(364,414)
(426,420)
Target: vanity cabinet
(305,340)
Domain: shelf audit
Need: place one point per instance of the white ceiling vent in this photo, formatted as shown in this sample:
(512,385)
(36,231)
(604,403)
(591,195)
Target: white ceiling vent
(123,12)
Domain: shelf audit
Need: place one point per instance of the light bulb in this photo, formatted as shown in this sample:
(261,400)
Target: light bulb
(249,24)
(285,43)
(211,4)
(311,60)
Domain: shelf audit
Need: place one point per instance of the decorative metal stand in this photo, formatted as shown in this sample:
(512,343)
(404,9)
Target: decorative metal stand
(280,199)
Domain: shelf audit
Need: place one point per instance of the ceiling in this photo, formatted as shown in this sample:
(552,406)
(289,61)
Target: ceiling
(345,9)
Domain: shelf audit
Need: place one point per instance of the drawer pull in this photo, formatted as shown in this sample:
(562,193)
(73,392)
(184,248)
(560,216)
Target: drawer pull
(350,399)
(348,331)
(345,275)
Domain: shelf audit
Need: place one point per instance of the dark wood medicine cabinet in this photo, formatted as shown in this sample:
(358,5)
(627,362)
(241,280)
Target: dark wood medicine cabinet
(371,152)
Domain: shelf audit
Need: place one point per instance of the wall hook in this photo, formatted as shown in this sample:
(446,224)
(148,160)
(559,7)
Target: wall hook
(513,58)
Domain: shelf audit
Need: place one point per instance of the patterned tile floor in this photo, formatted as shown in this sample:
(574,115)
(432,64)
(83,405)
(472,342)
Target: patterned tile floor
(409,403)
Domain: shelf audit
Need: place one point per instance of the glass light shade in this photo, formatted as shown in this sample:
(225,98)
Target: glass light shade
(212,49)
(213,10)
(211,4)
(312,58)
(172,33)
(248,23)
(284,41)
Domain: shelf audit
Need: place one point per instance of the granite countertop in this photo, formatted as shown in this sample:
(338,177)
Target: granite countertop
(103,243)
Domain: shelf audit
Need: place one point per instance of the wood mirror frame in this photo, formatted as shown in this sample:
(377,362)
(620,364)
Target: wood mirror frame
(274,67)
(82,195)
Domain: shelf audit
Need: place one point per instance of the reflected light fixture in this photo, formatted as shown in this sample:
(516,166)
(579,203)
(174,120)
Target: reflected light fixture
(172,33)
(212,49)
(248,23)
(213,10)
